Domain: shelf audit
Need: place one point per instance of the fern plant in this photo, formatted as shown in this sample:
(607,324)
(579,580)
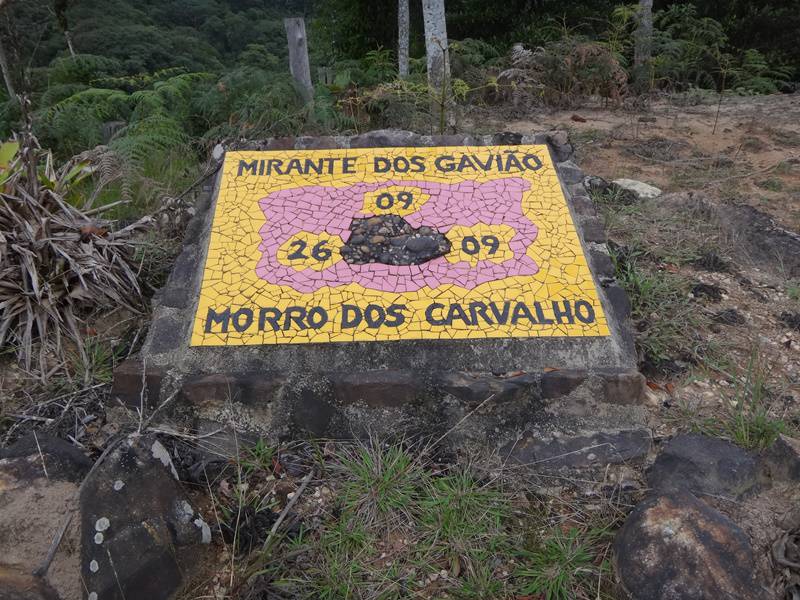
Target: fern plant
(687,49)
(754,75)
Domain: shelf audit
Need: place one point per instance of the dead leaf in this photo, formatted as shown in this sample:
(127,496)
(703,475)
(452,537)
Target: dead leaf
(670,387)
(90,231)
(550,369)
(654,386)
(578,119)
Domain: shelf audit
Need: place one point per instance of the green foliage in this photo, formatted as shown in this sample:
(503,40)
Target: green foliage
(618,37)
(380,483)
(687,49)
(754,74)
(562,564)
(258,456)
(793,290)
(390,523)
(379,65)
(82,68)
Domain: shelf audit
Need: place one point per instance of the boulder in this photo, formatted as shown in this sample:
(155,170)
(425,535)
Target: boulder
(642,190)
(704,465)
(16,585)
(782,459)
(675,547)
(39,479)
(569,172)
(140,534)
(41,456)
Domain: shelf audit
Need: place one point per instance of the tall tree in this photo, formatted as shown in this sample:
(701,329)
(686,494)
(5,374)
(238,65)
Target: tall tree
(60,8)
(298,56)
(402,38)
(436,43)
(643,48)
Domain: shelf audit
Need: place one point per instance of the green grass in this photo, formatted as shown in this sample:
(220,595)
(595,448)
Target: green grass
(562,566)
(773,184)
(663,315)
(793,290)
(259,456)
(380,485)
(96,363)
(746,419)
(750,424)
(398,526)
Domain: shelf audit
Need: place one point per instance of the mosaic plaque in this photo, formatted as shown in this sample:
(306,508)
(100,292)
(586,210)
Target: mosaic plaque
(387,244)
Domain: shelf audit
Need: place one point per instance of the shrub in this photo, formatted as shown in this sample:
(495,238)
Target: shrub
(57,263)
(567,72)
(754,75)
(687,50)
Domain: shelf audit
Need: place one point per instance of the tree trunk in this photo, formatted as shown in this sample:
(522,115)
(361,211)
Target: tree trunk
(402,38)
(438,58)
(68,37)
(643,49)
(298,56)
(6,73)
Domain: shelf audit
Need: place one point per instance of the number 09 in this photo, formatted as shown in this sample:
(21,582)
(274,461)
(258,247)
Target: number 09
(470,244)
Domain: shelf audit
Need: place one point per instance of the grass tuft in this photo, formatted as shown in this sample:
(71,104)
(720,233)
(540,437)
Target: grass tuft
(746,420)
(562,567)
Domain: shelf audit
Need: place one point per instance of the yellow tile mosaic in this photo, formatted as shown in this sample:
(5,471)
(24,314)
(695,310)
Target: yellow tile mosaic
(276,273)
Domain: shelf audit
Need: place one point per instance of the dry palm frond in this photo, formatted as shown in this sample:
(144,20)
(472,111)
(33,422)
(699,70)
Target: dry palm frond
(57,263)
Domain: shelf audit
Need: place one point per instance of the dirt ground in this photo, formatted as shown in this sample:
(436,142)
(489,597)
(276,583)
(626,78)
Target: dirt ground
(744,150)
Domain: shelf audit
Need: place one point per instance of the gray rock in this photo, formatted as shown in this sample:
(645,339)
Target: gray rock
(151,534)
(729,316)
(16,585)
(763,240)
(592,183)
(782,459)
(579,452)
(570,172)
(675,547)
(643,191)
(559,142)
(376,388)
(704,465)
(23,461)
(421,244)
(388,239)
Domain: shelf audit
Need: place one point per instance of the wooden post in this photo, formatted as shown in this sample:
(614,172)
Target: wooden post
(438,59)
(643,46)
(402,38)
(298,56)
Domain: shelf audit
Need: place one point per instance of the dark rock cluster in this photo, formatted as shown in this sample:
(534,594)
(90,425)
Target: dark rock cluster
(390,240)
(676,544)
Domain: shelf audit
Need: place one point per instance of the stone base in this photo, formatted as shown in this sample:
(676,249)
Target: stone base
(490,390)
(476,408)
